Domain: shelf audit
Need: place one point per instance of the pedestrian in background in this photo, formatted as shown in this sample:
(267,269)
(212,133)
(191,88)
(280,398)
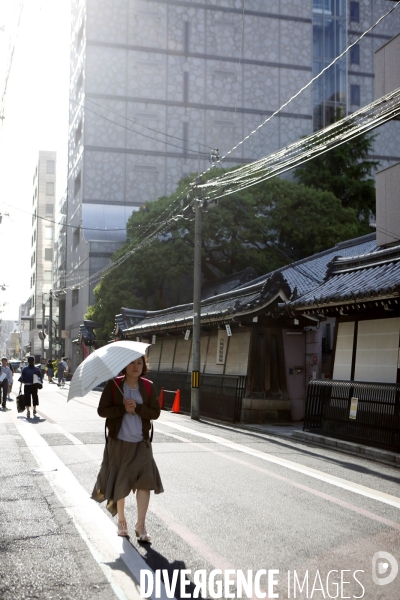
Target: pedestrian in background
(128,404)
(61,368)
(50,371)
(12,380)
(7,381)
(30,385)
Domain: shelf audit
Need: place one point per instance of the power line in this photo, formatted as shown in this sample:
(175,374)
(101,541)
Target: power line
(196,153)
(138,122)
(297,153)
(306,86)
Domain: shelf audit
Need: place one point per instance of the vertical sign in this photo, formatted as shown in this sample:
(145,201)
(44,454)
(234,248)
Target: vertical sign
(353,408)
(154,339)
(221,347)
(228,330)
(187,334)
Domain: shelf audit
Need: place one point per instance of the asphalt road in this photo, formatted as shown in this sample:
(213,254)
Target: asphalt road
(305,520)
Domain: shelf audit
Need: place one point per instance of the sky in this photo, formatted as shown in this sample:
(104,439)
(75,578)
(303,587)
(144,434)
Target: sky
(36,118)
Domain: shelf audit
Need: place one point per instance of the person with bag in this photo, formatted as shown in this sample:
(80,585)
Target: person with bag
(32,379)
(5,381)
(62,367)
(12,380)
(128,404)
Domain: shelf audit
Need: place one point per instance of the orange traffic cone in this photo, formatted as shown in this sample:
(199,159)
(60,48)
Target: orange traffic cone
(176,407)
(161,399)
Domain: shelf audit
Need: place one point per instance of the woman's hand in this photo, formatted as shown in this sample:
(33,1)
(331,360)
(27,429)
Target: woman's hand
(130,405)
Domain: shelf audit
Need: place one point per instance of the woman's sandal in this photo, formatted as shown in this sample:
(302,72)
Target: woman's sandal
(123,529)
(34,412)
(28,414)
(141,534)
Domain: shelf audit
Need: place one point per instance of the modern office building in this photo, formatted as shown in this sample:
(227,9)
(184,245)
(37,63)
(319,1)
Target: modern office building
(156,86)
(42,248)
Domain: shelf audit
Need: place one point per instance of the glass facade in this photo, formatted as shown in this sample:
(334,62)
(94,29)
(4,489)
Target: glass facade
(329,40)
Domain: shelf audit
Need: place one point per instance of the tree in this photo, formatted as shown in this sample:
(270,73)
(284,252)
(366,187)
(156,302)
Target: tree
(346,171)
(265,227)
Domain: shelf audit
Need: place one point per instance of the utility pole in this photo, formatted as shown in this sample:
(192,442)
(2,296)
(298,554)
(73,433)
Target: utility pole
(51,326)
(195,397)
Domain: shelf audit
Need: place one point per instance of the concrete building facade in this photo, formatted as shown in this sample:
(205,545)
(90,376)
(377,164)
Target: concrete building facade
(156,86)
(42,246)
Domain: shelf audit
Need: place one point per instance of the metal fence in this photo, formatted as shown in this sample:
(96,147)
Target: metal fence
(220,395)
(367,413)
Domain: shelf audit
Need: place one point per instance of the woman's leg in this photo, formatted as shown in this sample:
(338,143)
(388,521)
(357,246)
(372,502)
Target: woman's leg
(122,526)
(142,501)
(27,399)
(121,510)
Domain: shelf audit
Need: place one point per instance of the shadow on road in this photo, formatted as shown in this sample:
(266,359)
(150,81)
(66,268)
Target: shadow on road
(155,560)
(350,466)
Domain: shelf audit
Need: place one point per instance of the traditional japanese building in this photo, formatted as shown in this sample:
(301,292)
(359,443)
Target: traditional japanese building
(256,358)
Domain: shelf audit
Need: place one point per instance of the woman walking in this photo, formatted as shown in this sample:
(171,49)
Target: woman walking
(50,371)
(30,386)
(128,404)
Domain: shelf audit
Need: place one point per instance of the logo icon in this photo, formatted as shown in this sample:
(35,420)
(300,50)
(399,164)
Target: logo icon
(385,564)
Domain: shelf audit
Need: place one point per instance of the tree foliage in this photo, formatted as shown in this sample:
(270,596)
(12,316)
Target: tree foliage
(266,227)
(346,171)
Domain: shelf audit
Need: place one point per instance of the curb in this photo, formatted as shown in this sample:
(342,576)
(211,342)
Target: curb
(385,456)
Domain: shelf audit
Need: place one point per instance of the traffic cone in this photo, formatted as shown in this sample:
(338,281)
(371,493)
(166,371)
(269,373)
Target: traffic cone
(176,407)
(161,399)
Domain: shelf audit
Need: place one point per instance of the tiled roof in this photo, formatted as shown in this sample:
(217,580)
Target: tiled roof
(356,279)
(285,283)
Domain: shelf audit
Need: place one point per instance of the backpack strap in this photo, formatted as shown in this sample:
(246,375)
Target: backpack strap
(147,385)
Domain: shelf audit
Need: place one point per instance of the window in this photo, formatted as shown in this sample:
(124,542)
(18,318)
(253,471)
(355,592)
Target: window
(355,12)
(77,183)
(48,254)
(76,236)
(78,133)
(50,188)
(355,55)
(186,38)
(185,137)
(48,233)
(355,95)
(49,209)
(47,276)
(186,87)
(79,83)
(79,36)
(50,167)
(75,297)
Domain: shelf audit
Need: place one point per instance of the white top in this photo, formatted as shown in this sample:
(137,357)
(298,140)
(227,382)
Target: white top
(131,428)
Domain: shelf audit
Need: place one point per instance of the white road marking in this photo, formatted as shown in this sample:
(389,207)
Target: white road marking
(331,479)
(99,531)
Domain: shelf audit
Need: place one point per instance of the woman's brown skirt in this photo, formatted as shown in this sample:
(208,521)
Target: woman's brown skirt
(126,466)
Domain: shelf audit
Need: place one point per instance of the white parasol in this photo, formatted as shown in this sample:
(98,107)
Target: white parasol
(103,364)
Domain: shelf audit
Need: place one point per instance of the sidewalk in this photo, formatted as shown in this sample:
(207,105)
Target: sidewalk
(295,432)
(42,554)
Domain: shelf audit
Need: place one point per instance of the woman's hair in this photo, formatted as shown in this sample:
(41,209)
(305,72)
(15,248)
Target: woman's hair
(145,367)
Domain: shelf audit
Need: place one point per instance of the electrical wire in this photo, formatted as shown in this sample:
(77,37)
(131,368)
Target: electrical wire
(307,85)
(62,224)
(283,120)
(195,153)
(297,153)
(139,123)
